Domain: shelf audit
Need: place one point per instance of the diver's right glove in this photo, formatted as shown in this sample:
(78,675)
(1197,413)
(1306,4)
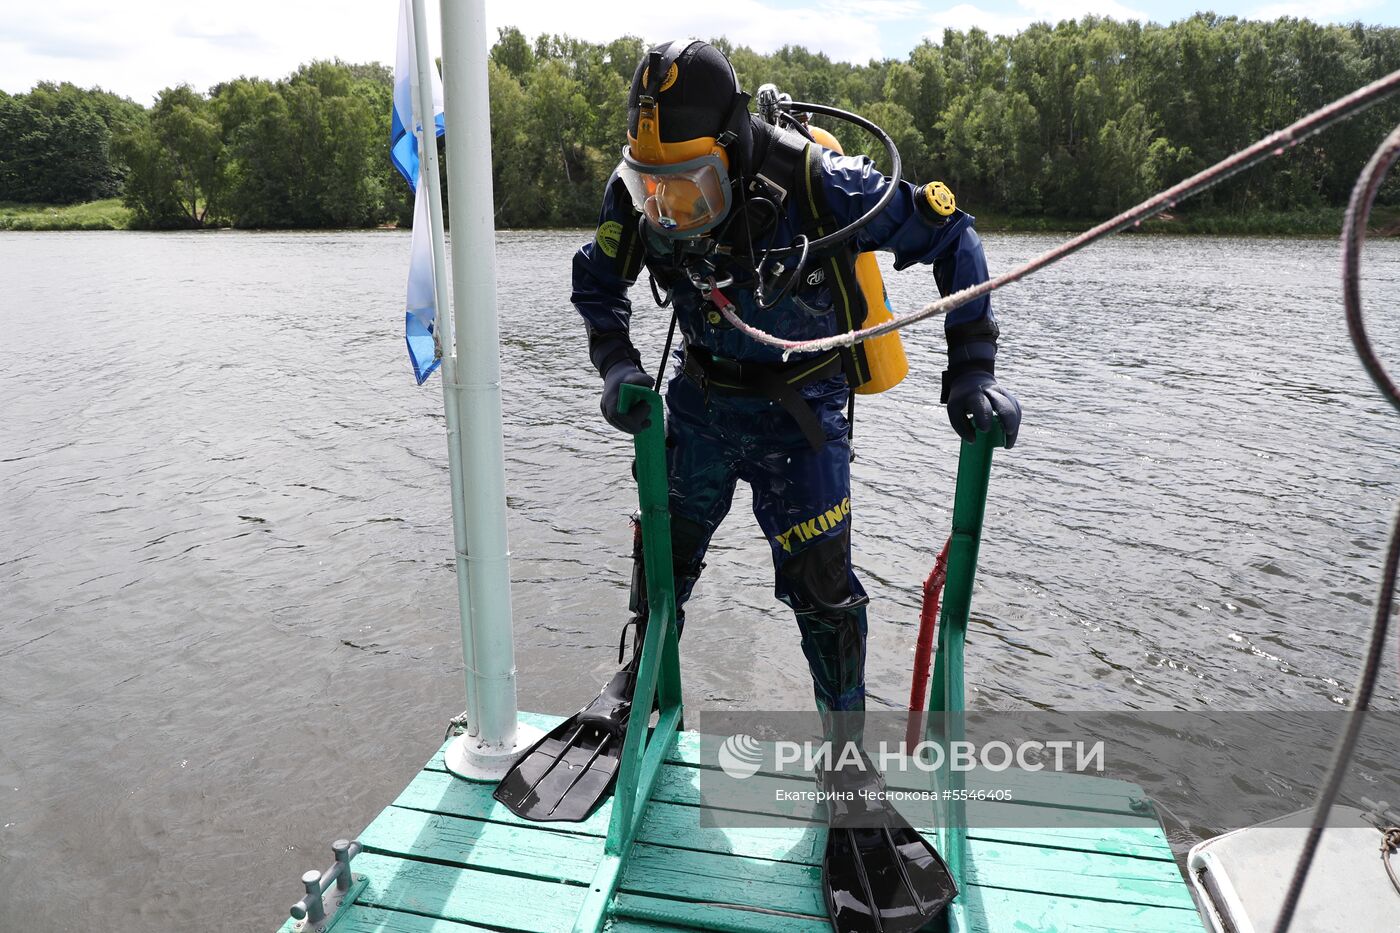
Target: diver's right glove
(625,372)
(973,395)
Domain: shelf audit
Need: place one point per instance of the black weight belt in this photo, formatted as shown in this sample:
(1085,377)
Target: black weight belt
(779,382)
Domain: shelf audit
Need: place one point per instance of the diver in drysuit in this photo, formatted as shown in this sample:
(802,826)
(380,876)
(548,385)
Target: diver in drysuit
(718,205)
(726,421)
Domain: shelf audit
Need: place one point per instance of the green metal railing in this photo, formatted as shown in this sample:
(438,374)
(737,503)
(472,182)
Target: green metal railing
(658,677)
(946,697)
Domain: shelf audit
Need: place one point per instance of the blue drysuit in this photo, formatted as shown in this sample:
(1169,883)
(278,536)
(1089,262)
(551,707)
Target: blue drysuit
(801,492)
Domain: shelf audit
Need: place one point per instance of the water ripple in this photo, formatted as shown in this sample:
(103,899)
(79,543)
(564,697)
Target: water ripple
(228,620)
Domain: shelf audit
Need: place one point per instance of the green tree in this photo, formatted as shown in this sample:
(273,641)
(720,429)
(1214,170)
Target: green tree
(559,121)
(1079,118)
(177,166)
(516,197)
(55,143)
(265,158)
(311,151)
(513,53)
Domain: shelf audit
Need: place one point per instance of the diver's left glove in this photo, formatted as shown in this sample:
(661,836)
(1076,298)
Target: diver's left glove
(638,417)
(973,395)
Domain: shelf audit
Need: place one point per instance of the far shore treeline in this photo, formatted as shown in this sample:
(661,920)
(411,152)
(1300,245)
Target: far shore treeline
(1071,122)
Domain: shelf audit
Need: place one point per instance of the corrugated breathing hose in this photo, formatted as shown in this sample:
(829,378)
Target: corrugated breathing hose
(1363,196)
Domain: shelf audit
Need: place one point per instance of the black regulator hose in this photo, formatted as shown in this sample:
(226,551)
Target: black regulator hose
(1363,197)
(896,166)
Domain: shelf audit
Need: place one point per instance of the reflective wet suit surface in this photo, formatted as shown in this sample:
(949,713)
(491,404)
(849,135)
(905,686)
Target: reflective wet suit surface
(227,609)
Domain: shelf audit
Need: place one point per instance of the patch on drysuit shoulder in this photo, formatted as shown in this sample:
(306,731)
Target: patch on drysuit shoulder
(609,235)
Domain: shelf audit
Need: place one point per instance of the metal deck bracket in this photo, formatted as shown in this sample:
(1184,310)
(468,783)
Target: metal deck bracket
(468,758)
(327,891)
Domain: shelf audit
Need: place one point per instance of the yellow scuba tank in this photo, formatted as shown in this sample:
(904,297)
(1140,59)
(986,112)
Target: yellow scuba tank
(884,354)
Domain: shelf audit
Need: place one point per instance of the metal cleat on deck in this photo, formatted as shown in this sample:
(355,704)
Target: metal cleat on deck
(327,891)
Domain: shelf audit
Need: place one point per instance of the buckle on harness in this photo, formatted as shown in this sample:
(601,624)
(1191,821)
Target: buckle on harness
(778,383)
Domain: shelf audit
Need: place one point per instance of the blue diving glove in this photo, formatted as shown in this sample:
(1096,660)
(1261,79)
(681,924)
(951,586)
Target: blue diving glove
(972,394)
(625,372)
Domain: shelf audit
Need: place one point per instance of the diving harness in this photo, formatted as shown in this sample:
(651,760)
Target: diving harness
(758,209)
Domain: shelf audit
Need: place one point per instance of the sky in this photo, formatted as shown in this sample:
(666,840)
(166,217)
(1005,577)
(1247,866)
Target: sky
(137,47)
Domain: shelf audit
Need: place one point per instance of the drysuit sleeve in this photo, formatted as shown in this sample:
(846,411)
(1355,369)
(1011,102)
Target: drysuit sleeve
(951,245)
(915,232)
(604,269)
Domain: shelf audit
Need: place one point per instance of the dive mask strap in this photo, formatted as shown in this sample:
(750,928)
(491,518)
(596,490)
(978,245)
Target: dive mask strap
(737,128)
(659,65)
(654,74)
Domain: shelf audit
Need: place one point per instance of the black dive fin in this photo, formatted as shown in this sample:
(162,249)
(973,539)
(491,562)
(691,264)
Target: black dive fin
(884,880)
(879,874)
(568,773)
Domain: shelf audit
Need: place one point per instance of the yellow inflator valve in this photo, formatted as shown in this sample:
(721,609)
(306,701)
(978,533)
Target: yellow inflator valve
(939,198)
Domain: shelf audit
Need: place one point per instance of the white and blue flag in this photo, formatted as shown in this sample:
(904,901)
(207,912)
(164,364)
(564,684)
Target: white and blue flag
(421,316)
(403,152)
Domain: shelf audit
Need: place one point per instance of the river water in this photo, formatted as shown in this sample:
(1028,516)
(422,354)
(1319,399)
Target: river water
(227,610)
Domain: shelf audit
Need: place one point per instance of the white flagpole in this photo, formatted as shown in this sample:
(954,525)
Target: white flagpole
(425,129)
(494,740)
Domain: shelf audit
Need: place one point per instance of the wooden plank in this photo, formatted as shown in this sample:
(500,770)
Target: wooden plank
(1141,841)
(495,847)
(677,827)
(465,895)
(682,785)
(361,919)
(802,842)
(572,858)
(665,824)
(440,792)
(641,914)
(790,886)
(760,883)
(987,911)
(682,874)
(1077,874)
(992,910)
(653,870)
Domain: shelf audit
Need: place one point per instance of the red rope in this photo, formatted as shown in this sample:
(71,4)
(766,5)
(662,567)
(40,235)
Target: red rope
(923,648)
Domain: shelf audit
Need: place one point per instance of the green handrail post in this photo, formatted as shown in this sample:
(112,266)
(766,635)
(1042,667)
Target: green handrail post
(946,692)
(658,676)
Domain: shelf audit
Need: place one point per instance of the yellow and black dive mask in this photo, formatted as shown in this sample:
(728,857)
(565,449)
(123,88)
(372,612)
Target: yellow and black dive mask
(685,108)
(682,199)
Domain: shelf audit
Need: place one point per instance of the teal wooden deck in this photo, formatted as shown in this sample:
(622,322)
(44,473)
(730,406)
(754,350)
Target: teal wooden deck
(447,858)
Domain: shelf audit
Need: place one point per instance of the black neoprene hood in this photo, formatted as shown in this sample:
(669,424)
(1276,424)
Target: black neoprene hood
(695,100)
